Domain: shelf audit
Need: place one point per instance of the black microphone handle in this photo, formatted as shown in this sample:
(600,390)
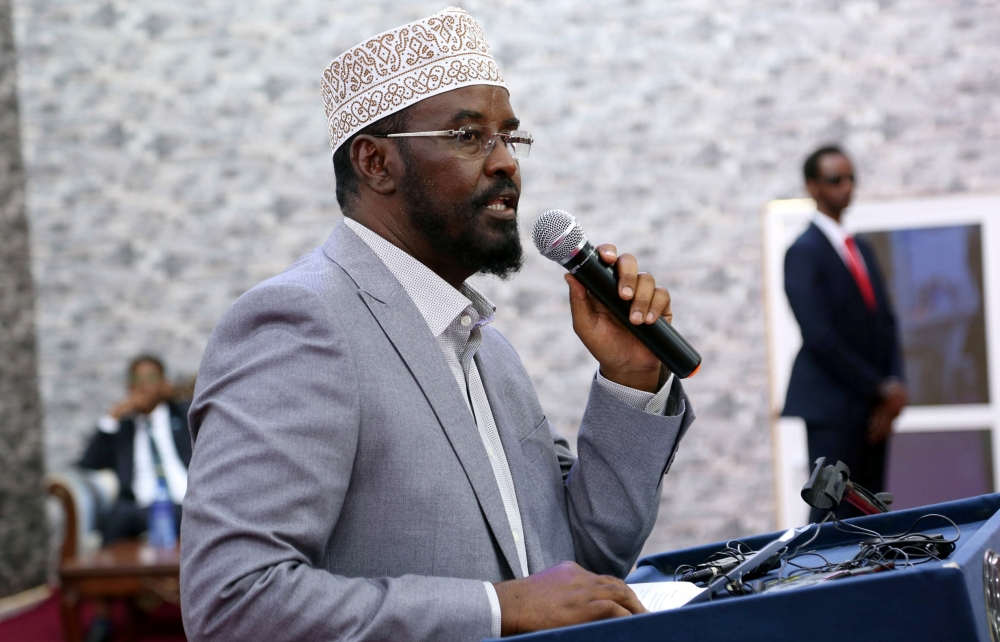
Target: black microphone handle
(660,337)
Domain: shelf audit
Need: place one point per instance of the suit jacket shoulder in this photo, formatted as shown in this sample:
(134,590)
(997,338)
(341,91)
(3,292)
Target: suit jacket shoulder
(812,243)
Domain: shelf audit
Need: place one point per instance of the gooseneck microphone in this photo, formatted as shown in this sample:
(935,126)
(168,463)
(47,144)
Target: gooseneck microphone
(559,237)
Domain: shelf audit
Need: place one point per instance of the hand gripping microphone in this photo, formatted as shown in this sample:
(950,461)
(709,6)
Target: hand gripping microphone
(559,237)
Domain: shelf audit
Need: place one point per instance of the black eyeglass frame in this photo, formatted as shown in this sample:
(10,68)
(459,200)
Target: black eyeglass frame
(838,179)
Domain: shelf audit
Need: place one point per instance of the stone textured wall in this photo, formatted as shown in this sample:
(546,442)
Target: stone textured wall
(23,542)
(177,155)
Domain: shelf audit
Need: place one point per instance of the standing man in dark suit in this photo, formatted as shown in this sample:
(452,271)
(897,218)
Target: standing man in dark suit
(143,430)
(847,379)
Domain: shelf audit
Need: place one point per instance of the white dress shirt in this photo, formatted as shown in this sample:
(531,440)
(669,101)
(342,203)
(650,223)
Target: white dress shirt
(837,234)
(455,318)
(144,478)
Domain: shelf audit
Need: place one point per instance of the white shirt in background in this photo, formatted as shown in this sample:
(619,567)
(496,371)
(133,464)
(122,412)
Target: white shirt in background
(837,234)
(157,424)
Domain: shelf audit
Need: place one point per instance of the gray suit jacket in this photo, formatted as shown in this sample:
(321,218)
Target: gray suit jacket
(339,489)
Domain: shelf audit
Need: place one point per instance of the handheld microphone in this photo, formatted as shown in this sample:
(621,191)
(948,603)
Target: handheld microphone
(559,237)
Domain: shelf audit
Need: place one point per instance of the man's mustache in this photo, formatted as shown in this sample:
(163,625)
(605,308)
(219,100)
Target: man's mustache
(499,188)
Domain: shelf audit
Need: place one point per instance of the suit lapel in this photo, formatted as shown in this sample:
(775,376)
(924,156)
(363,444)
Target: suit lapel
(512,450)
(126,455)
(832,253)
(399,318)
(833,257)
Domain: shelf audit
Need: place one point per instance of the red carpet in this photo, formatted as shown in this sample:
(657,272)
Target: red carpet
(44,624)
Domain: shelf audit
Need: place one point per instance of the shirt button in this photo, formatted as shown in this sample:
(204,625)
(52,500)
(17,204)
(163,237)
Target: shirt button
(517,536)
(466,320)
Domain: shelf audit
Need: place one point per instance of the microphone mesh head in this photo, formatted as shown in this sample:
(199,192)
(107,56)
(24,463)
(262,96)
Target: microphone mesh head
(556,233)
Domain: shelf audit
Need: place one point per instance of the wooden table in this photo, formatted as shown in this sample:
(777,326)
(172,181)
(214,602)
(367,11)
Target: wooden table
(120,571)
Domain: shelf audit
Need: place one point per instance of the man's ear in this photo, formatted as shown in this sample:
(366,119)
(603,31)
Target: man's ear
(813,188)
(375,162)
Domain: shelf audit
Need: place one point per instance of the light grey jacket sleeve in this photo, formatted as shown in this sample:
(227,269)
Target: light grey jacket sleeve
(275,423)
(613,486)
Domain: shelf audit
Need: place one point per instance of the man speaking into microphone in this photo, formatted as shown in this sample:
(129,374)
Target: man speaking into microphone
(371,461)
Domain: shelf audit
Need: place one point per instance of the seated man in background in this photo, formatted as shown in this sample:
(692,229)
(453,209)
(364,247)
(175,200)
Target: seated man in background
(142,438)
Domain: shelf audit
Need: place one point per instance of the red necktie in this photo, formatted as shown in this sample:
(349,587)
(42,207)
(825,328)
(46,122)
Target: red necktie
(857,267)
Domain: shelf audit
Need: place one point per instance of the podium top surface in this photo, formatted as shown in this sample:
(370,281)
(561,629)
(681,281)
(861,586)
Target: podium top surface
(934,600)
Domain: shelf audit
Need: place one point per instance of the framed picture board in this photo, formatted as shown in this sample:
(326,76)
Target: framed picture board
(941,261)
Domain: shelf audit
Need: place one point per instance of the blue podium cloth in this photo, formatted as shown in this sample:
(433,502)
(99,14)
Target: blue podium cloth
(939,601)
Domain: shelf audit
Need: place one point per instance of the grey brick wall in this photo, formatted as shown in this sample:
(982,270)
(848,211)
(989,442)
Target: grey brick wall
(22,516)
(177,155)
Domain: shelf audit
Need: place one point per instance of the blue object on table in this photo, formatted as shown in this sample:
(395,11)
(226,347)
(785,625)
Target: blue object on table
(162,529)
(937,601)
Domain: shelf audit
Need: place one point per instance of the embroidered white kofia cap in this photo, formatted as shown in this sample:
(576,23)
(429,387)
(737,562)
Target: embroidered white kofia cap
(403,66)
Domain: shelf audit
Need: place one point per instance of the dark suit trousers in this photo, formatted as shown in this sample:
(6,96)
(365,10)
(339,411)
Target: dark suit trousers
(127,520)
(845,441)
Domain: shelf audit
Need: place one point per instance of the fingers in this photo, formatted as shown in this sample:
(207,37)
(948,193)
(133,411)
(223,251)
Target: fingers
(894,396)
(577,292)
(608,253)
(879,425)
(645,287)
(629,600)
(879,435)
(872,430)
(604,610)
(121,409)
(889,416)
(649,301)
(561,595)
(628,277)
(618,592)
(873,425)
(899,399)
(659,306)
(580,304)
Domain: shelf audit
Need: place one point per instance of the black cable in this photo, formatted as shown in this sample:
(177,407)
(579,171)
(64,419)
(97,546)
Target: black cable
(819,527)
(871,497)
(837,524)
(924,547)
(886,552)
(958,531)
(883,552)
(679,570)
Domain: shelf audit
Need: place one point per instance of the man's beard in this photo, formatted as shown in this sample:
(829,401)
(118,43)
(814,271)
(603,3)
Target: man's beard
(471,249)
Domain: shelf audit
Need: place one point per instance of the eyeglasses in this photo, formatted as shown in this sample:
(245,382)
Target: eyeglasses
(149,378)
(838,179)
(476,141)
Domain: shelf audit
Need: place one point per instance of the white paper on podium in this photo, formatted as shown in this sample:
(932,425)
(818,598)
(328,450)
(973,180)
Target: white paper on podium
(663,596)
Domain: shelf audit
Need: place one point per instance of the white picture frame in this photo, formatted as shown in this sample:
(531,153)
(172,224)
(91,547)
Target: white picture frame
(782,221)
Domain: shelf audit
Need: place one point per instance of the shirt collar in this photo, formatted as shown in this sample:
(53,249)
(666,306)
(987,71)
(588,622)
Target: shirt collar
(158,415)
(833,231)
(438,303)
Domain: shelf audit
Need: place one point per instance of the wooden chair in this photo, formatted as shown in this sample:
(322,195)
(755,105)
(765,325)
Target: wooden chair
(86,497)
(126,570)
